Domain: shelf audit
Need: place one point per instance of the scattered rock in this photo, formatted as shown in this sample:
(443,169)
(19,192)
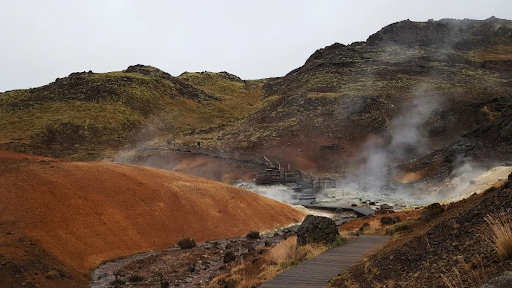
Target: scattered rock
(250,248)
(431,212)
(372,203)
(253,235)
(317,229)
(187,243)
(386,220)
(229,257)
(354,205)
(502,281)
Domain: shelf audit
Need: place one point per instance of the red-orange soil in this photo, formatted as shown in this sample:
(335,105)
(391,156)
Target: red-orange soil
(59,220)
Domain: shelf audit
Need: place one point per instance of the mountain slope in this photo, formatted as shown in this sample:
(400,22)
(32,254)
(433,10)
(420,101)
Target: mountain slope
(86,114)
(68,217)
(318,116)
(436,79)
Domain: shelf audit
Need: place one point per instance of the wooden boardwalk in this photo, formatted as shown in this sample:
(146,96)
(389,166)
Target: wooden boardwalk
(317,271)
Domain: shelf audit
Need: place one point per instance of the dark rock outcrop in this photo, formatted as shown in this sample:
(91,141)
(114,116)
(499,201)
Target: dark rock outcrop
(229,257)
(386,221)
(253,235)
(432,211)
(187,243)
(317,229)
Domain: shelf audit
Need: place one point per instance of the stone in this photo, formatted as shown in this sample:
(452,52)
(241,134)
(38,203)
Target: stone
(317,229)
(250,248)
(432,211)
(253,235)
(382,211)
(386,220)
(187,243)
(502,281)
(229,257)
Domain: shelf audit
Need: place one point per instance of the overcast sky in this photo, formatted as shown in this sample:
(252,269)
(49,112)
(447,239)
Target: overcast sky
(43,40)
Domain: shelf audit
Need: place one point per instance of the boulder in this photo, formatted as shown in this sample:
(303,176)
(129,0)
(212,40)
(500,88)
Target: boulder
(229,257)
(382,211)
(187,243)
(317,229)
(253,235)
(502,281)
(432,211)
(386,220)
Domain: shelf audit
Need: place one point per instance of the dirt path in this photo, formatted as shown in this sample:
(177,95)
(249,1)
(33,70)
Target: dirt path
(318,271)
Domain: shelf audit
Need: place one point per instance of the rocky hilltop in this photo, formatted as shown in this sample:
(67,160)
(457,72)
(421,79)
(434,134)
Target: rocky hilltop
(410,89)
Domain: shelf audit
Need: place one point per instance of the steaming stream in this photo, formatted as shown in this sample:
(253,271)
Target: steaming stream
(464,183)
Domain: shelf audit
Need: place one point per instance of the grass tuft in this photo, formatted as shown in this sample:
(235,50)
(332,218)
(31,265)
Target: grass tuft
(499,230)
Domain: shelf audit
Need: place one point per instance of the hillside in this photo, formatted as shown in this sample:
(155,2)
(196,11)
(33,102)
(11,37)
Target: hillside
(410,89)
(452,249)
(61,219)
(485,146)
(403,84)
(87,114)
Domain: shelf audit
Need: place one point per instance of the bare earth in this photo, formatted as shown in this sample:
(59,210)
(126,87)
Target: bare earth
(59,220)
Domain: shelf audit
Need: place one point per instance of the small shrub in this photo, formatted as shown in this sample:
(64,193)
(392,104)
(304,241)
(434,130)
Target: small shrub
(499,231)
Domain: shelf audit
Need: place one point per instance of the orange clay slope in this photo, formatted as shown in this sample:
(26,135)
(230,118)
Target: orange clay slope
(83,213)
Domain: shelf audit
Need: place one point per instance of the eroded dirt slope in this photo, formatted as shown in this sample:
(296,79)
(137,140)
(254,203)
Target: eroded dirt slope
(61,219)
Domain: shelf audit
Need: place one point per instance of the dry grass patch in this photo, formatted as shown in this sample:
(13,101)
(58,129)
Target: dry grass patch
(276,260)
(499,231)
(467,274)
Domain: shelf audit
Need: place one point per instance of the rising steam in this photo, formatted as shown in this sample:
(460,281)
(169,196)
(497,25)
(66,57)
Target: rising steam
(406,140)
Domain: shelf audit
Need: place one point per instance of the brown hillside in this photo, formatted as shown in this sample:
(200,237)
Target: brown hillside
(452,250)
(68,217)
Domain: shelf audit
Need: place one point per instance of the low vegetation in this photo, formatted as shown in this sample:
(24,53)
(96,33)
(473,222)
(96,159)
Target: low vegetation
(85,115)
(276,260)
(499,232)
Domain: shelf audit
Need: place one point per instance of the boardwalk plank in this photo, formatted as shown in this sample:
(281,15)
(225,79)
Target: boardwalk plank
(317,271)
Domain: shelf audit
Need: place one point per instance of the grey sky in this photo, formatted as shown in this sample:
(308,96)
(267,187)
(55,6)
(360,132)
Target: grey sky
(43,40)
